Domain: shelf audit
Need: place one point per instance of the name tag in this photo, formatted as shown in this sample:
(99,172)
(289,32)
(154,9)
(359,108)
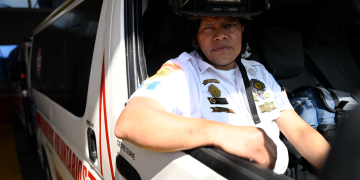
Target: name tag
(217,100)
(222,109)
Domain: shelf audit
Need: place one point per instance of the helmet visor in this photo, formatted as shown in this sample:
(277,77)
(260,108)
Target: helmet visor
(195,9)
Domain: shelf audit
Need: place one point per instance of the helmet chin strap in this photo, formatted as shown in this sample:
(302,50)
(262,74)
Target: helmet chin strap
(203,56)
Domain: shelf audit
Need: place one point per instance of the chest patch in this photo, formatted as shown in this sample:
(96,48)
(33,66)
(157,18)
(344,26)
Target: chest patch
(267,107)
(206,81)
(257,86)
(222,109)
(214,91)
(218,100)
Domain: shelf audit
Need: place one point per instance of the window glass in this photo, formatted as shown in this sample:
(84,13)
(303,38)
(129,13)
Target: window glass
(14,4)
(31,4)
(35,4)
(5,50)
(28,52)
(62,55)
(46,3)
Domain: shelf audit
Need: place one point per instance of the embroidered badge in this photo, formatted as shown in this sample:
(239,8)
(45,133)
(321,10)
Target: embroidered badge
(267,107)
(206,81)
(266,95)
(214,91)
(261,96)
(256,98)
(153,85)
(221,109)
(165,70)
(218,100)
(257,86)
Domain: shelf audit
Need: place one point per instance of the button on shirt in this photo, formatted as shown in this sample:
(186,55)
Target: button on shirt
(179,86)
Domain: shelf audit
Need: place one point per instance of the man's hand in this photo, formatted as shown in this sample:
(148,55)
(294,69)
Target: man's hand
(145,123)
(248,142)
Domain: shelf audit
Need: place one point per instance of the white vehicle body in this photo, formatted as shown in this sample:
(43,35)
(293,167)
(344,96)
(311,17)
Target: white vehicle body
(62,137)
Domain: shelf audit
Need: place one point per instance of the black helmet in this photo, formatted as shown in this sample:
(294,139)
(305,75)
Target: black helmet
(194,9)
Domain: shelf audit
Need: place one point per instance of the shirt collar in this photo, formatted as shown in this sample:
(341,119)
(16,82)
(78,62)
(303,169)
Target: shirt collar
(203,66)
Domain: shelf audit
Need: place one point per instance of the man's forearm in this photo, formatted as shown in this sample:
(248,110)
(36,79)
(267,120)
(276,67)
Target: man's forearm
(310,144)
(145,123)
(313,146)
(155,129)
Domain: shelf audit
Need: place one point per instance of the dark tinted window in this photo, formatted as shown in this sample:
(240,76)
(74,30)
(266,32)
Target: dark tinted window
(62,55)
(29,48)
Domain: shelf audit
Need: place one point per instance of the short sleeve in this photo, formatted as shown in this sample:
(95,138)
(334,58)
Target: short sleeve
(280,96)
(168,87)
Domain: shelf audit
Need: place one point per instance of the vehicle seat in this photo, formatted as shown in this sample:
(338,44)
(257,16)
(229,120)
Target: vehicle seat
(352,26)
(323,43)
(280,50)
(164,34)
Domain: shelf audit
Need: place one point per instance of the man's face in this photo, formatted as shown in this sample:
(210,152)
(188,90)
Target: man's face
(220,40)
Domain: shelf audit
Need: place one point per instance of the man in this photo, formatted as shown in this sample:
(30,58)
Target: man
(194,101)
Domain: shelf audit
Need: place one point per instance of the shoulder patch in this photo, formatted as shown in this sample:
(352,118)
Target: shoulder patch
(153,85)
(166,69)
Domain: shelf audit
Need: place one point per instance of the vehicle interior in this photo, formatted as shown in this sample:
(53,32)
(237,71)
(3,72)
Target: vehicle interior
(300,42)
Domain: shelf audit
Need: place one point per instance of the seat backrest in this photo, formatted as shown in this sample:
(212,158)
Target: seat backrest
(165,36)
(338,66)
(281,51)
(324,46)
(343,160)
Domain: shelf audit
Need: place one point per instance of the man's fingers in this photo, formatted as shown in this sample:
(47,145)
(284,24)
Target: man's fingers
(264,155)
(266,158)
(255,145)
(270,150)
(263,158)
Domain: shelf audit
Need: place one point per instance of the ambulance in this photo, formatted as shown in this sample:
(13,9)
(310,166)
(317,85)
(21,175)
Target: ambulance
(87,58)
(18,63)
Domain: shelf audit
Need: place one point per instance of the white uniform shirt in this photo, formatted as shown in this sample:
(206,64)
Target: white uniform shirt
(178,86)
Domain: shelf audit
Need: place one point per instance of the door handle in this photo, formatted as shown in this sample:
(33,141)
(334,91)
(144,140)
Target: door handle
(92,145)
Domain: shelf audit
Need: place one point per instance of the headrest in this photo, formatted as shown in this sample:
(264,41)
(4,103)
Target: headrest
(164,34)
(325,27)
(281,51)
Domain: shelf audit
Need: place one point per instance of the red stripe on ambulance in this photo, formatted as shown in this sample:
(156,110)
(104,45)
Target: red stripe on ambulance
(103,102)
(100,105)
(73,164)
